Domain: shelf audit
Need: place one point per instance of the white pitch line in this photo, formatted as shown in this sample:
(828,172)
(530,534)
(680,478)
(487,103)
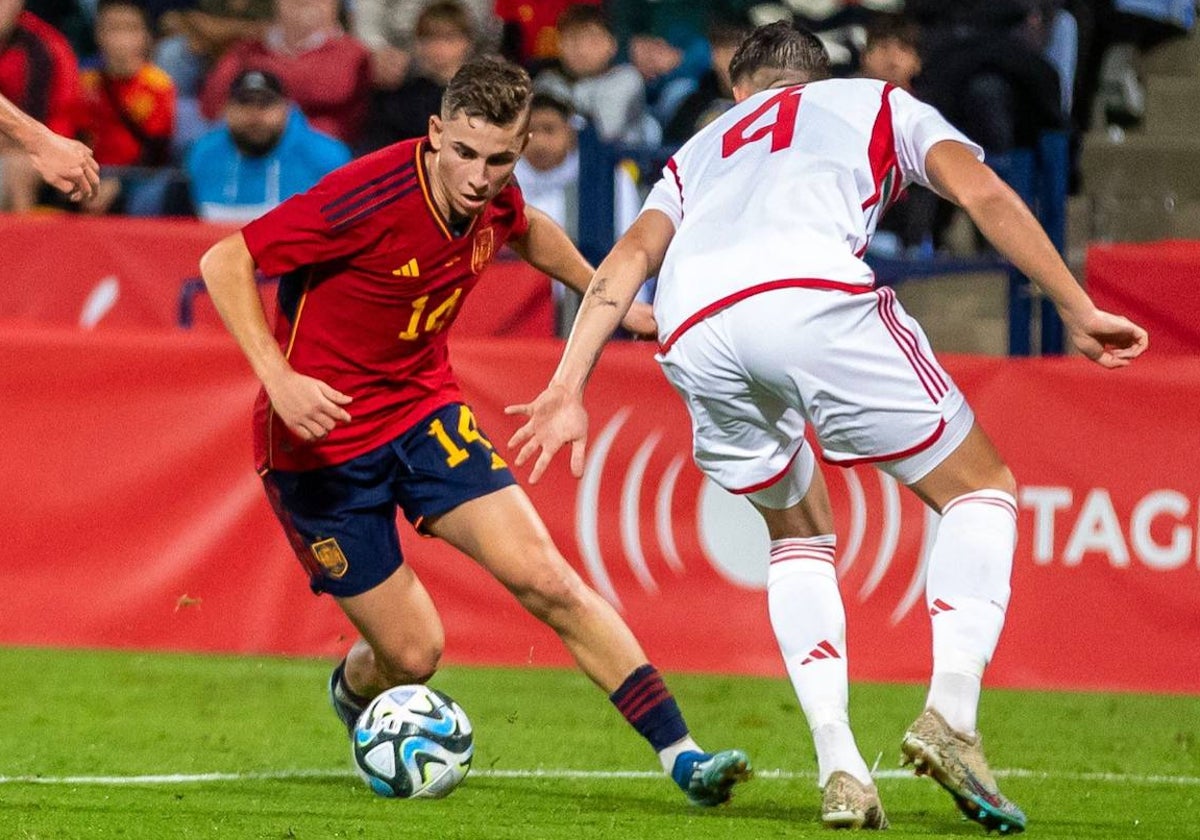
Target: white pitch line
(553,773)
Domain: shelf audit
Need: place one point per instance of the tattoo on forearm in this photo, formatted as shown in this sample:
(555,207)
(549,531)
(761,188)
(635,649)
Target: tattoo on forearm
(599,291)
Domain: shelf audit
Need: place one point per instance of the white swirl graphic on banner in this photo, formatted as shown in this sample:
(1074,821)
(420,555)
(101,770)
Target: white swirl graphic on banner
(916,586)
(663,525)
(733,537)
(587,508)
(889,538)
(631,503)
(858,521)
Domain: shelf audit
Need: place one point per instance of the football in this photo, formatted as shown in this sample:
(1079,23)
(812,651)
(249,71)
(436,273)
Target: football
(413,742)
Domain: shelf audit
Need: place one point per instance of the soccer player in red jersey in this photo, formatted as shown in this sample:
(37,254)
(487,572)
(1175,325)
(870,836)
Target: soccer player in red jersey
(360,412)
(65,164)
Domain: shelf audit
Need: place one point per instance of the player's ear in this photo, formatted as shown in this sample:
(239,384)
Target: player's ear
(435,132)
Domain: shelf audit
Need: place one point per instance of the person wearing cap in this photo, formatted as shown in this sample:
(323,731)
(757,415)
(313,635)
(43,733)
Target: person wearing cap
(262,152)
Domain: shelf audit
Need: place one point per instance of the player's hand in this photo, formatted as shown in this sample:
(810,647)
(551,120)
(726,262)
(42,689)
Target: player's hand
(639,320)
(307,406)
(557,417)
(1109,340)
(65,164)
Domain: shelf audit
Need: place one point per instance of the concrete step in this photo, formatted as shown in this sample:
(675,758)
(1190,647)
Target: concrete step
(1162,168)
(1143,219)
(961,313)
(1172,106)
(1177,57)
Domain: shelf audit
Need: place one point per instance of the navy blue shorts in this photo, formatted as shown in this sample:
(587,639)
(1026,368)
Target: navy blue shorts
(341,520)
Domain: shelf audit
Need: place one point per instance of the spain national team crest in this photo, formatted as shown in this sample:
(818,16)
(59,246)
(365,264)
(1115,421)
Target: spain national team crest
(485,246)
(329,554)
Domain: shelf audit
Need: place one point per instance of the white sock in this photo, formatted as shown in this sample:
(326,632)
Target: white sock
(967,592)
(667,755)
(810,625)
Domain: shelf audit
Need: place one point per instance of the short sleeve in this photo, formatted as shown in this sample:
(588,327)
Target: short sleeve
(520,225)
(667,195)
(311,227)
(918,128)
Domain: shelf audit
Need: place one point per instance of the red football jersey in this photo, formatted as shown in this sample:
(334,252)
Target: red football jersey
(371,279)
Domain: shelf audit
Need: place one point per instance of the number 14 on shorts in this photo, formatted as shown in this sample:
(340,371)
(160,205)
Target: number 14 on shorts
(468,433)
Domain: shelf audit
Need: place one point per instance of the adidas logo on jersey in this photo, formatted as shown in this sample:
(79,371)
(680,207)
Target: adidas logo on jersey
(409,269)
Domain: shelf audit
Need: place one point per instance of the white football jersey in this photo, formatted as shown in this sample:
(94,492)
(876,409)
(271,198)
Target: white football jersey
(786,189)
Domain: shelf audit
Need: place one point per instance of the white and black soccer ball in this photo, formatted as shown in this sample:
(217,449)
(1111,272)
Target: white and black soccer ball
(412,742)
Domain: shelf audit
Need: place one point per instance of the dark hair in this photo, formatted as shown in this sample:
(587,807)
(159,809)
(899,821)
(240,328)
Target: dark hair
(543,101)
(580,15)
(448,12)
(723,34)
(138,7)
(491,88)
(888,27)
(780,46)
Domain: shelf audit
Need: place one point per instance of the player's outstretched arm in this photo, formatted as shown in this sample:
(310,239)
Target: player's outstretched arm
(547,248)
(1001,215)
(65,164)
(309,407)
(556,416)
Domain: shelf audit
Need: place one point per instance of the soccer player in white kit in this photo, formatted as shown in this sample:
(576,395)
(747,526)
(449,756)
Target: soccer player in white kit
(768,320)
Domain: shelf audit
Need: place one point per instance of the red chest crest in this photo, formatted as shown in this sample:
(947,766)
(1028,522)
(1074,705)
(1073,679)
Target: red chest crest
(483,248)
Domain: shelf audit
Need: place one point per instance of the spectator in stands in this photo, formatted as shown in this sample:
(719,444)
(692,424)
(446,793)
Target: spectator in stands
(1112,34)
(892,51)
(40,75)
(984,73)
(548,173)
(127,111)
(445,36)
(531,28)
(891,54)
(667,44)
(325,71)
(611,96)
(72,18)
(197,34)
(389,28)
(263,153)
(714,94)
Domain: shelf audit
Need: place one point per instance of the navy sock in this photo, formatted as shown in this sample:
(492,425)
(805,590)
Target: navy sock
(650,708)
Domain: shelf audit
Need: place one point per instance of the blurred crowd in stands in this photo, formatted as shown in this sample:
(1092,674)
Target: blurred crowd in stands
(223,108)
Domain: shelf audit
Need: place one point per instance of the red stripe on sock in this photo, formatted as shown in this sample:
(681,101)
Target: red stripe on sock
(648,705)
(634,698)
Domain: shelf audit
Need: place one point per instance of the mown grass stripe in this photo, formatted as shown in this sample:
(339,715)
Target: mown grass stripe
(559,773)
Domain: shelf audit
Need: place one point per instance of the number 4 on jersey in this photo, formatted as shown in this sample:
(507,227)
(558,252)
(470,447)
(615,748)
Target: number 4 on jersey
(786,105)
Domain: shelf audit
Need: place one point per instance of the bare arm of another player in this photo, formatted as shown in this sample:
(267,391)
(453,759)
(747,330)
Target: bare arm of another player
(308,406)
(547,248)
(557,416)
(1000,214)
(65,164)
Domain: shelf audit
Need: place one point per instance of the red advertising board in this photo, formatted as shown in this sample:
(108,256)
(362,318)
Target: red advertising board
(132,518)
(108,274)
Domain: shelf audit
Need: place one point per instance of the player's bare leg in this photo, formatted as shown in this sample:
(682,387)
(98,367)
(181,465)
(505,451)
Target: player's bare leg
(810,625)
(967,592)
(505,535)
(402,641)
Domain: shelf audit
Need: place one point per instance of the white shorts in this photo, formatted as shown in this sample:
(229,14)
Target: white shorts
(856,367)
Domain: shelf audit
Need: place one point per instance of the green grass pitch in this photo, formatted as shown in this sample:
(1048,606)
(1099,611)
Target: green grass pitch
(85,723)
